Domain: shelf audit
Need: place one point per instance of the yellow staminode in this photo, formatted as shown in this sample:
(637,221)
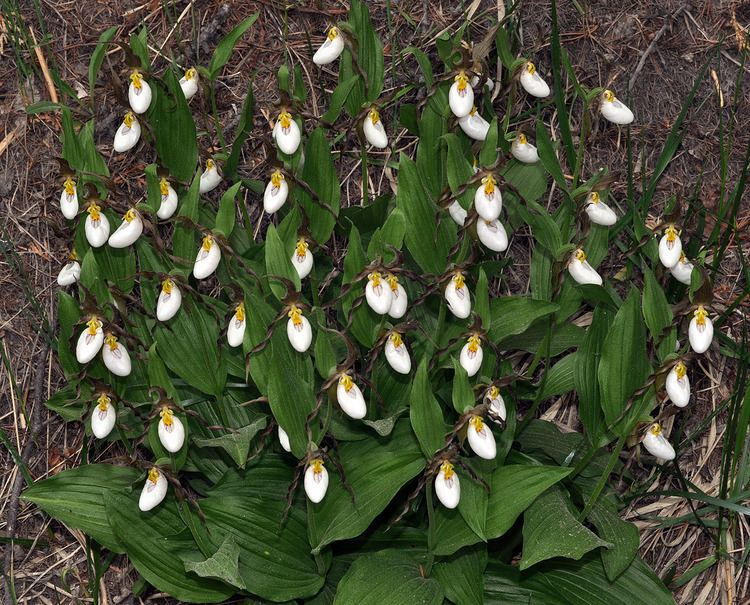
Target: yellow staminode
(530,67)
(317,465)
(190,73)
(473,111)
(374,116)
(333,33)
(166,286)
(129,119)
(95,211)
(208,241)
(494,392)
(392,281)
(239,313)
(153,475)
(130,215)
(447,469)
(137,79)
(474,342)
(594,197)
(73,255)
(111,341)
(302,247)
(680,369)
(463,80)
(375,278)
(166,416)
(70,186)
(655,429)
(580,255)
(489,184)
(103,402)
(285,119)
(276,178)
(521,138)
(477,422)
(210,164)
(346,382)
(164,187)
(683,258)
(671,232)
(93,325)
(609,96)
(295,314)
(459,280)
(396,339)
(700,315)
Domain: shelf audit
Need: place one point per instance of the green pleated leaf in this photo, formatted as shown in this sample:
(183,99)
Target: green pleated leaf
(656,309)
(97,57)
(185,239)
(75,497)
(623,536)
(244,128)
(462,394)
(222,565)
(482,300)
(426,414)
(320,174)
(560,377)
(68,312)
(488,154)
(512,315)
(224,49)
(338,98)
(388,576)
(585,373)
(547,155)
(462,576)
(452,533)
(235,443)
(279,263)
(226,216)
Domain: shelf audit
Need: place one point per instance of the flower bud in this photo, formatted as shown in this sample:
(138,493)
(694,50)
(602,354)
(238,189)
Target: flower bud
(284,440)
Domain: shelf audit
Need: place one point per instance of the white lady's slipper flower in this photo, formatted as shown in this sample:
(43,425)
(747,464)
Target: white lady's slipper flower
(286,133)
(598,212)
(487,200)
(683,270)
(396,353)
(210,178)
(128,134)
(236,329)
(656,444)
(189,83)
(378,294)
(171,431)
(700,330)
(169,301)
(373,129)
(350,398)
(154,491)
(581,271)
(284,440)
(70,273)
(461,95)
(474,125)
(116,357)
(69,199)
(207,259)
(90,341)
(129,230)
(457,212)
(471,355)
(399,298)
(96,226)
(496,411)
(481,440)
(524,151)
(615,110)
(670,247)
(492,234)
(298,330)
(490,84)
(168,200)
(103,417)
(677,385)
(316,480)
(447,486)
(532,82)
(139,93)
(302,259)
(457,296)
(331,49)
(277,190)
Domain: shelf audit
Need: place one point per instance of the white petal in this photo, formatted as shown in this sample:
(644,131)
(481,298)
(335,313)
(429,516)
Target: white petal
(658,446)
(399,302)
(599,213)
(117,361)
(172,437)
(206,261)
(492,234)
(488,206)
(458,299)
(379,297)
(329,51)
(288,139)
(583,273)
(475,126)
(168,204)
(316,484)
(69,274)
(69,204)
(127,138)
(682,271)
(616,112)
(189,87)
(534,84)
(678,389)
(236,331)
(102,422)
(353,402)
(97,232)
(375,133)
(461,102)
(497,409)
(89,345)
(670,252)
(139,99)
(398,358)
(284,440)
(700,336)
(168,304)
(482,443)
(471,361)
(127,233)
(457,212)
(300,337)
(524,152)
(275,197)
(447,491)
(303,264)
(153,494)
(210,179)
